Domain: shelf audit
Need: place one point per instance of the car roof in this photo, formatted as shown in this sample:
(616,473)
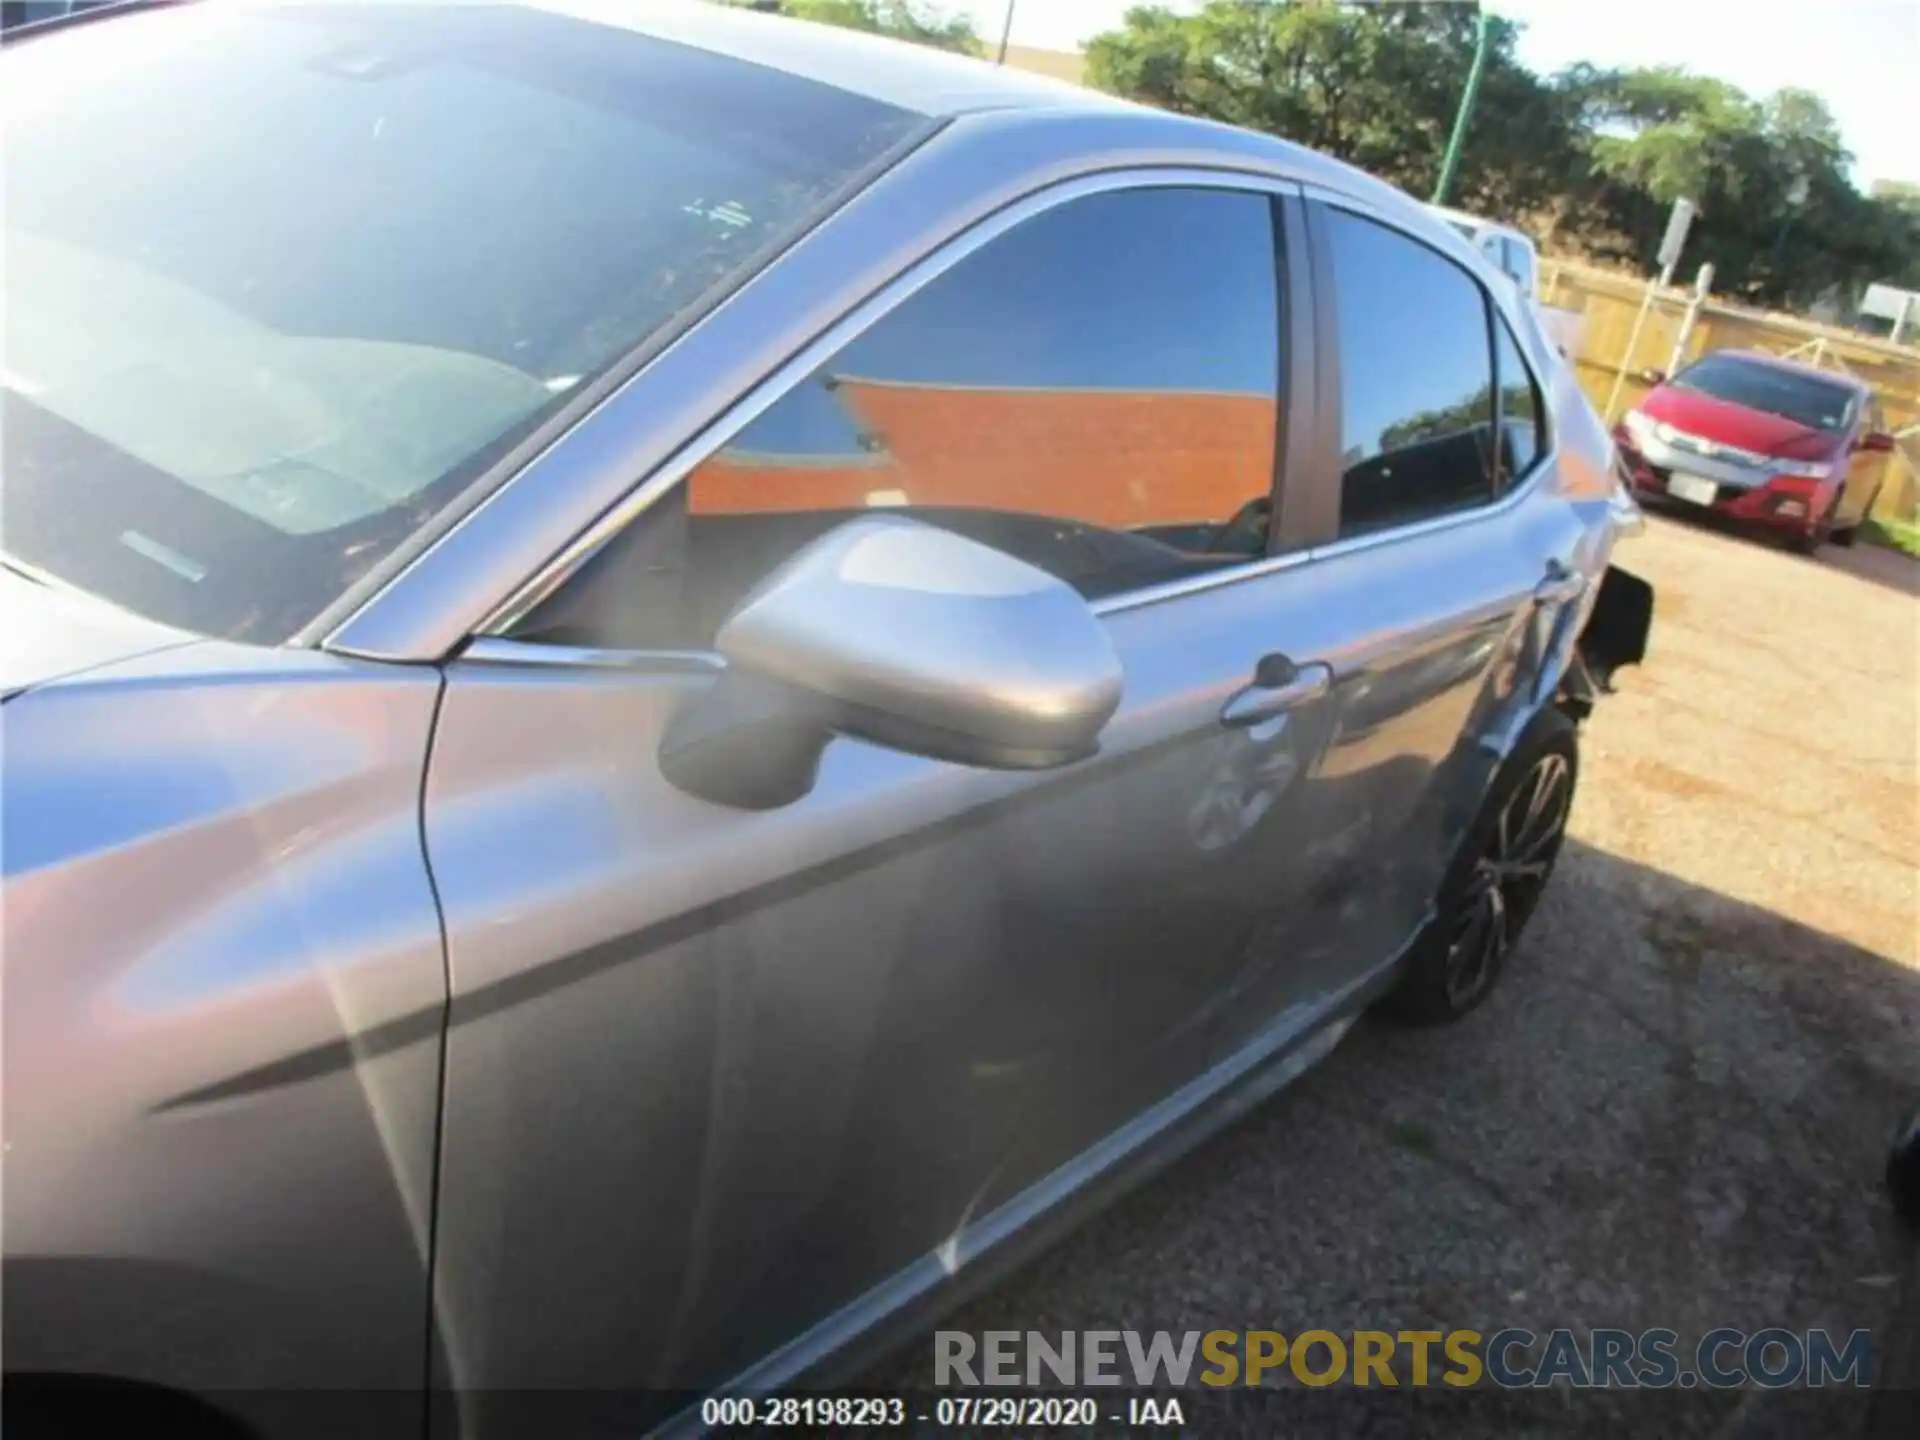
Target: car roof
(946,86)
(1447,212)
(1794,367)
(920,78)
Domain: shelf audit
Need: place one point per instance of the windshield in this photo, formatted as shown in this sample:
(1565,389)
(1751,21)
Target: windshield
(1804,399)
(279,284)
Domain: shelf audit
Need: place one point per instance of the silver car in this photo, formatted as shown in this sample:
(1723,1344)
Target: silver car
(676,680)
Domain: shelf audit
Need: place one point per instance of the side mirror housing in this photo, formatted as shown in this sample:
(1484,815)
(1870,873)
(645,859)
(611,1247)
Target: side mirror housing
(906,635)
(1878,442)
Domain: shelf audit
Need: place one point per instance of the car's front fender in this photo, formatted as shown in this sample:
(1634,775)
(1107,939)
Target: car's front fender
(224,994)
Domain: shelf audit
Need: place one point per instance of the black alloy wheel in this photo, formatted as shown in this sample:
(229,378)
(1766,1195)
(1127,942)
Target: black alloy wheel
(1496,879)
(1507,877)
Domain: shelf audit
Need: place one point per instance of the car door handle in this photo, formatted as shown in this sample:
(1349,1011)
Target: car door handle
(1562,586)
(1278,686)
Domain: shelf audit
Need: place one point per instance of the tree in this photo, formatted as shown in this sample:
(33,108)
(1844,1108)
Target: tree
(1897,214)
(1475,412)
(1901,194)
(1376,85)
(1593,159)
(1779,216)
(912,20)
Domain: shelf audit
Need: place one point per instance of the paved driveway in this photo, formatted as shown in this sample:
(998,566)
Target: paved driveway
(1674,1110)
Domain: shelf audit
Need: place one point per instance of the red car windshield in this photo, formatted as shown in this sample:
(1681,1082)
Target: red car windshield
(1808,401)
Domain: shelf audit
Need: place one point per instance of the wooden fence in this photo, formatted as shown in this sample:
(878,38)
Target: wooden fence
(1608,304)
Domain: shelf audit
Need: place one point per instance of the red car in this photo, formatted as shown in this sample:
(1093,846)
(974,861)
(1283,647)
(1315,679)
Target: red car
(1760,439)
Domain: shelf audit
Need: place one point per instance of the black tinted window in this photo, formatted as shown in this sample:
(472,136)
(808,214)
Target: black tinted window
(1805,399)
(28,12)
(1522,420)
(1093,392)
(1416,382)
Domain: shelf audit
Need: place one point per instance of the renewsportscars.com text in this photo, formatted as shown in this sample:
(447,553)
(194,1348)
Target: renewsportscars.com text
(1510,1358)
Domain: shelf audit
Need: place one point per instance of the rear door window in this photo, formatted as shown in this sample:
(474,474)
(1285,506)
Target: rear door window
(1416,379)
(1523,425)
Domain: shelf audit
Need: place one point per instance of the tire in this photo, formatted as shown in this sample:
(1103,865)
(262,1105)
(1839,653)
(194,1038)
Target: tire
(80,1408)
(1852,532)
(1486,900)
(1810,541)
(1903,1170)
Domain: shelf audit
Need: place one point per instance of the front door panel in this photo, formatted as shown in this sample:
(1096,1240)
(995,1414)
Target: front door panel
(712,1074)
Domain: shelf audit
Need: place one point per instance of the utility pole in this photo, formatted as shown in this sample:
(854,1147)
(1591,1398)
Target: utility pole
(1796,197)
(1671,244)
(1702,285)
(1006,32)
(1465,112)
(1908,305)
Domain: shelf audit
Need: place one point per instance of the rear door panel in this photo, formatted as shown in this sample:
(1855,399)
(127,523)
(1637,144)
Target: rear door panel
(1432,637)
(1436,630)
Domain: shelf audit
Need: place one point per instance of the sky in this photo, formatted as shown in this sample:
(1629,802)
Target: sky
(1861,56)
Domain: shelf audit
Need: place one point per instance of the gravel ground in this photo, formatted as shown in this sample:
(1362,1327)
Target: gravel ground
(1673,1112)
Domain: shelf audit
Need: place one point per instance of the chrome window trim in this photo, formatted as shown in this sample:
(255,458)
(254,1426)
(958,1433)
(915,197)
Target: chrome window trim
(1416,529)
(492,650)
(747,408)
(1198,584)
(1516,494)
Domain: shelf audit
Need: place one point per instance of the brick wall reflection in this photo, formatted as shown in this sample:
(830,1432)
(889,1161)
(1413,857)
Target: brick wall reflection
(1118,459)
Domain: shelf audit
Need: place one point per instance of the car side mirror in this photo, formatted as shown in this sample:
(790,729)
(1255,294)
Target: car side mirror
(1653,375)
(1879,442)
(906,635)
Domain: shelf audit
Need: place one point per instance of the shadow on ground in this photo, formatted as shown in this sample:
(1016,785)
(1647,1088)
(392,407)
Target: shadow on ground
(1894,569)
(1875,564)
(1673,1113)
